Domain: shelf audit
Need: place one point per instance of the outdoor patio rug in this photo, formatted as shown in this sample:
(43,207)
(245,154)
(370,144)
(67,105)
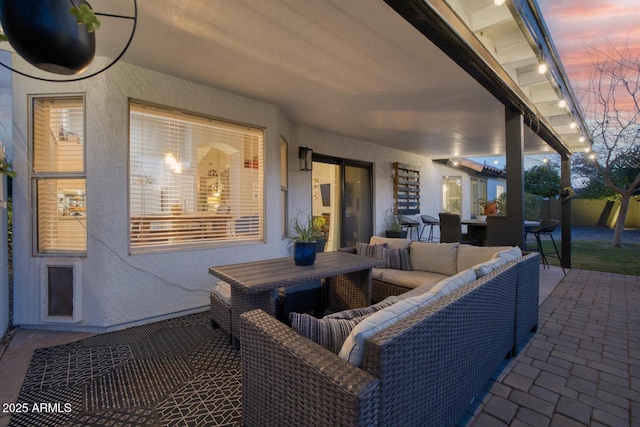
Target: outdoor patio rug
(178,372)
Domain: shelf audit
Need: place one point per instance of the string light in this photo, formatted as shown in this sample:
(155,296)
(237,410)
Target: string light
(542,68)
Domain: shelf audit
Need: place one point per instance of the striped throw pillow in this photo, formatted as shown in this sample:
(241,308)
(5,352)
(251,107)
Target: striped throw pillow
(372,251)
(329,333)
(399,259)
(359,312)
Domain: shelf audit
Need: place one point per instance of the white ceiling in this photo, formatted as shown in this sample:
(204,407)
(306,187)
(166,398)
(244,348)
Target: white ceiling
(355,68)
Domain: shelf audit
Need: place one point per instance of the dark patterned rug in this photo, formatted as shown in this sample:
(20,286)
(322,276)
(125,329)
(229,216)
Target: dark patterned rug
(177,372)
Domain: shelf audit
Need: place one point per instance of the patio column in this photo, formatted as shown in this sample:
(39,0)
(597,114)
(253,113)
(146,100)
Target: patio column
(514,141)
(565,211)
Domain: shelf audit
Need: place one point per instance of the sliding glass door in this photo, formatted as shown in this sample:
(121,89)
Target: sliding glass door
(357,212)
(342,194)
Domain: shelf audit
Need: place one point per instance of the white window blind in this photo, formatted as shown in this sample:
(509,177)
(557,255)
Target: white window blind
(193,180)
(58,175)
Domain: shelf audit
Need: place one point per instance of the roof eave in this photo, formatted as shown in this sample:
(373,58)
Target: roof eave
(440,24)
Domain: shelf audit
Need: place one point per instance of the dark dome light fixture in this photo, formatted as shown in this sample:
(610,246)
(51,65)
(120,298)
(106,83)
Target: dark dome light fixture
(46,35)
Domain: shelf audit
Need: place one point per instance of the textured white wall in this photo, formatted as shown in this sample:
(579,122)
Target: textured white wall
(120,290)
(382,159)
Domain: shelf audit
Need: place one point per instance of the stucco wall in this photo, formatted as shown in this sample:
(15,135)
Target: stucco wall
(118,289)
(382,159)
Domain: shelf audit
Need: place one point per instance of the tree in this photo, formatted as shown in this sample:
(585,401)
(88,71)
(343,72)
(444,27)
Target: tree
(612,108)
(542,180)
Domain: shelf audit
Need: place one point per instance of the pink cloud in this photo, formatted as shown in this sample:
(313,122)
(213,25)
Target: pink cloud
(576,25)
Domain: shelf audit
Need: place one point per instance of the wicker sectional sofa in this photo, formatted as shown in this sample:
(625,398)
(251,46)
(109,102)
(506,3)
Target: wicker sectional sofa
(423,369)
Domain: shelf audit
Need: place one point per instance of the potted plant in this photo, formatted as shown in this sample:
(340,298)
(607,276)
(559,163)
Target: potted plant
(6,167)
(54,35)
(490,207)
(394,225)
(305,239)
(566,193)
(319,223)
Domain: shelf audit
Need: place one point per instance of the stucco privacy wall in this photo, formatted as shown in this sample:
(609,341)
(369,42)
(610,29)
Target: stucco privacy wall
(120,290)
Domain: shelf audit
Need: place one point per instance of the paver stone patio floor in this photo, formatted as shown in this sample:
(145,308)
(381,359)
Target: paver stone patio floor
(581,368)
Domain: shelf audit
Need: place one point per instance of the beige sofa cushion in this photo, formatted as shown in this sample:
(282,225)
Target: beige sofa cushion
(434,257)
(453,283)
(422,289)
(376,273)
(488,266)
(410,279)
(469,255)
(510,254)
(354,346)
(390,242)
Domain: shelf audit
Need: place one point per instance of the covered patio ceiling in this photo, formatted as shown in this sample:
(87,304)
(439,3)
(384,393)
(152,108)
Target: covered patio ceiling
(356,68)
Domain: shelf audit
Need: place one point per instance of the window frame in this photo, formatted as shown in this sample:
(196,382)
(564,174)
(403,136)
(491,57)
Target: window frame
(239,222)
(36,177)
(446,179)
(477,196)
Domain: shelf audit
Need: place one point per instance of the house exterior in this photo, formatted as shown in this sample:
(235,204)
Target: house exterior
(113,229)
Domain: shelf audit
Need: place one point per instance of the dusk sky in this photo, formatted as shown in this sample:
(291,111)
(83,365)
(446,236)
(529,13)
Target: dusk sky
(575,24)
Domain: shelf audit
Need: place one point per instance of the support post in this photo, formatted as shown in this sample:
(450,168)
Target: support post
(514,142)
(565,211)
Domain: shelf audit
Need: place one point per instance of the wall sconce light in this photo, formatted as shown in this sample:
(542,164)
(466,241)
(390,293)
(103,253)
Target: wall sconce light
(305,156)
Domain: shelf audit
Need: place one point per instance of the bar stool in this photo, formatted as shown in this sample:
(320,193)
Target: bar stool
(546,228)
(428,221)
(410,224)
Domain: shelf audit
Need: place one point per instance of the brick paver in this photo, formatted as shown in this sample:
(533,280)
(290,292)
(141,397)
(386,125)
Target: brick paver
(582,367)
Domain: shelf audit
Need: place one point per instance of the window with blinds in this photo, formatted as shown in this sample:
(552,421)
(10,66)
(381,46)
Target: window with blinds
(58,175)
(193,180)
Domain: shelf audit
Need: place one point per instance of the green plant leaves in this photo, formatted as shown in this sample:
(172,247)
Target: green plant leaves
(84,15)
